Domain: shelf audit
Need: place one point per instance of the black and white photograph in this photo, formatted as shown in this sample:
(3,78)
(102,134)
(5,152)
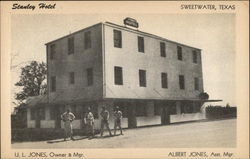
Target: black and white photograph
(106,80)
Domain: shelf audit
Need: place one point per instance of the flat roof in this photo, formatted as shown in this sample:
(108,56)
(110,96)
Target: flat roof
(127,29)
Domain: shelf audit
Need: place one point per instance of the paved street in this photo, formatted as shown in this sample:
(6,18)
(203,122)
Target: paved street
(220,133)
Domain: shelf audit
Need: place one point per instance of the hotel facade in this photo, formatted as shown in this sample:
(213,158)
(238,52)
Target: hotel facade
(152,79)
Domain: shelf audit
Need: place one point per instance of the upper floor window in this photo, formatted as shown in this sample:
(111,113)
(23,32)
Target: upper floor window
(140,44)
(163,49)
(87,40)
(90,77)
(117,38)
(181,82)
(52,51)
(118,75)
(179,52)
(164,80)
(71,78)
(196,83)
(71,45)
(195,56)
(53,84)
(142,78)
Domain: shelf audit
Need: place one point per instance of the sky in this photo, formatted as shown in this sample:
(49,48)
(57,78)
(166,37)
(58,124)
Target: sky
(213,33)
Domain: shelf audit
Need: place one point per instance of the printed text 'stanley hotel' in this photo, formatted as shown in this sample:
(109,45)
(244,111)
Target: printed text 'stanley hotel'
(153,80)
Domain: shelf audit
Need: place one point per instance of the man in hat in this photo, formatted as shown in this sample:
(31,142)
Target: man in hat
(104,121)
(68,118)
(89,121)
(118,118)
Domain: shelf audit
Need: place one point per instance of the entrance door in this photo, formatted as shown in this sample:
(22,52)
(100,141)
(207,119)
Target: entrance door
(165,115)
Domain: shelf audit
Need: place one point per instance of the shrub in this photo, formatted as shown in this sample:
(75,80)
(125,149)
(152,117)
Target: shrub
(217,112)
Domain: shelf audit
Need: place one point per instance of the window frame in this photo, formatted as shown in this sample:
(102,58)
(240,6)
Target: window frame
(182,82)
(90,76)
(179,53)
(164,80)
(195,56)
(141,45)
(117,38)
(118,75)
(52,51)
(87,40)
(163,49)
(53,84)
(196,84)
(71,45)
(71,77)
(142,78)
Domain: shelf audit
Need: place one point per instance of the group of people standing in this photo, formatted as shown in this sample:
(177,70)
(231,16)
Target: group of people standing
(68,117)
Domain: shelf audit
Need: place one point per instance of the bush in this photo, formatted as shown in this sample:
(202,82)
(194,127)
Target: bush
(218,112)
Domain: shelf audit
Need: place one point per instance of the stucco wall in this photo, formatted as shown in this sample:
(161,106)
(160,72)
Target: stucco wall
(152,120)
(131,61)
(187,117)
(63,63)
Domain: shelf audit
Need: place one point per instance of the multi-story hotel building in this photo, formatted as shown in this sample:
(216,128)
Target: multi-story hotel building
(152,79)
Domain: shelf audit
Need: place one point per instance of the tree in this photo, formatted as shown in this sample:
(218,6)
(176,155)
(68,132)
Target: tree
(203,96)
(31,80)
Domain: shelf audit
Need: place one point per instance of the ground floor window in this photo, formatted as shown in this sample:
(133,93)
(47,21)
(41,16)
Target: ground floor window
(76,110)
(157,109)
(41,113)
(141,109)
(53,111)
(32,114)
(197,107)
(94,109)
(187,107)
(173,110)
(123,106)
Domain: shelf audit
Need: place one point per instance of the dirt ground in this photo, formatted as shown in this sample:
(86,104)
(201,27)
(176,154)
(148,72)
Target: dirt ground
(204,134)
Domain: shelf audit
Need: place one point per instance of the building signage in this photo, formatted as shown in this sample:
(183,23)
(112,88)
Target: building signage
(131,22)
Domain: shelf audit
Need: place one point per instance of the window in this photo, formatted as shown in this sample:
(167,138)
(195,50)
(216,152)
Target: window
(141,109)
(164,80)
(157,109)
(195,57)
(53,84)
(163,49)
(52,51)
(181,82)
(179,52)
(118,75)
(71,78)
(76,110)
(142,78)
(90,76)
(196,83)
(173,110)
(123,106)
(53,110)
(140,44)
(87,40)
(32,114)
(71,45)
(41,113)
(117,39)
